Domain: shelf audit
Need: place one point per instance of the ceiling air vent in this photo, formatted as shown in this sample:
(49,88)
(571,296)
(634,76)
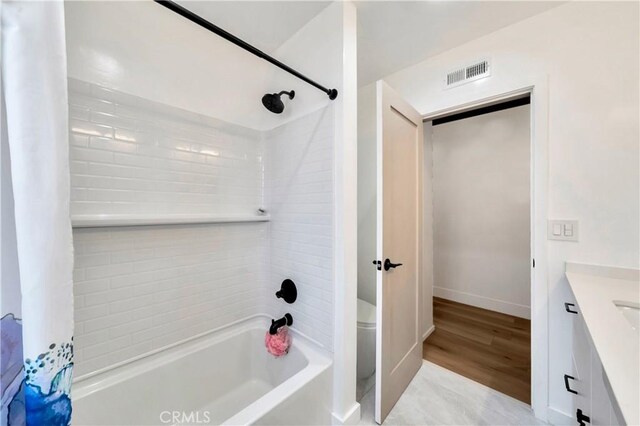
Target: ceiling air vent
(468,74)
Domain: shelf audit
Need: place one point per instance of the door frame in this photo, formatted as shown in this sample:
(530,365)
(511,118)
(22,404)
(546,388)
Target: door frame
(537,88)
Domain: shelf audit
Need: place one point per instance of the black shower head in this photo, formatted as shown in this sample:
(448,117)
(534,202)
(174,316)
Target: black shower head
(273,103)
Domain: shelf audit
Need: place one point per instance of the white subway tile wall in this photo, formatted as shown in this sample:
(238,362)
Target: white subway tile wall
(299,177)
(133,156)
(139,289)
(142,288)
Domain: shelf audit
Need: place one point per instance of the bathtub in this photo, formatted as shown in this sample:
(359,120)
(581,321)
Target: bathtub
(225,377)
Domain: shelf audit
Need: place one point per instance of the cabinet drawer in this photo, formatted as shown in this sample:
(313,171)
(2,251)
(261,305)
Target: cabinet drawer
(580,396)
(600,402)
(581,351)
(581,358)
(578,381)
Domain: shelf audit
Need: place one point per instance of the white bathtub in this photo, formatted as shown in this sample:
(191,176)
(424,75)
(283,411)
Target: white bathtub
(225,377)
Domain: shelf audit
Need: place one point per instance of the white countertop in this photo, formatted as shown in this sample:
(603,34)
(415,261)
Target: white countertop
(617,343)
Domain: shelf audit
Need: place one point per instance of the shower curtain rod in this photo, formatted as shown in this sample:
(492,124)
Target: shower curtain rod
(196,19)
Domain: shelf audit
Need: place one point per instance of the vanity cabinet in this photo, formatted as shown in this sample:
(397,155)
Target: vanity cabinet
(592,400)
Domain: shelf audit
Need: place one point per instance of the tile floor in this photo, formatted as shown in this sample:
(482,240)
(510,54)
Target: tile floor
(437,396)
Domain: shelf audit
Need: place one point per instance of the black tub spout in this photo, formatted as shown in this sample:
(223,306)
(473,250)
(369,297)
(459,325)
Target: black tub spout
(287,319)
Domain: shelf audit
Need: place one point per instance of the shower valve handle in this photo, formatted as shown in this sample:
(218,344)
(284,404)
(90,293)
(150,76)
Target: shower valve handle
(388,265)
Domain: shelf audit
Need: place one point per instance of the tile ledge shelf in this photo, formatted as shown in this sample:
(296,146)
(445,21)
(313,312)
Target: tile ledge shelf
(105,220)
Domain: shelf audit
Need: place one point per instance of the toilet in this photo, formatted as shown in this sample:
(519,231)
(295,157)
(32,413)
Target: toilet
(366,339)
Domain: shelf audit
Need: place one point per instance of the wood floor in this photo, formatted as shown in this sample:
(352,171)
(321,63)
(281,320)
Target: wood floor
(489,347)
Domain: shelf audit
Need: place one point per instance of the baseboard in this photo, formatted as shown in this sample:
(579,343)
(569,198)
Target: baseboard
(559,418)
(352,417)
(483,302)
(427,333)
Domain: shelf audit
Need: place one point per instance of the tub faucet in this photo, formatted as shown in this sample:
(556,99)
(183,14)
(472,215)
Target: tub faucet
(287,319)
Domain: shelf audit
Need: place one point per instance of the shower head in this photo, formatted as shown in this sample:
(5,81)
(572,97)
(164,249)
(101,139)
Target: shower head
(273,103)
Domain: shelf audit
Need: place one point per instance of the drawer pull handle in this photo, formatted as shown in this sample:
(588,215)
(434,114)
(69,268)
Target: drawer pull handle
(582,418)
(567,307)
(566,383)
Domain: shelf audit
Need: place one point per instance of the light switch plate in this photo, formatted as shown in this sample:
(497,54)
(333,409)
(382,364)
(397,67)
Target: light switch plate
(568,230)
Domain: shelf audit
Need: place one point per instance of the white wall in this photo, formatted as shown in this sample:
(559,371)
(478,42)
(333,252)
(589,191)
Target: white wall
(345,408)
(141,48)
(367,193)
(590,53)
(130,155)
(326,48)
(139,289)
(427,233)
(299,176)
(481,209)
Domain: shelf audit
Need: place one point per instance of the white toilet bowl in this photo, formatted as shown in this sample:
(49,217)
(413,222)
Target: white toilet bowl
(366,339)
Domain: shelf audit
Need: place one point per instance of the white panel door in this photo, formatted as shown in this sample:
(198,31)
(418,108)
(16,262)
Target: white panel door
(399,241)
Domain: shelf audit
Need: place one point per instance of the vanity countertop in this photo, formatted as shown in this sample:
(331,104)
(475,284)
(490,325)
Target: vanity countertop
(597,291)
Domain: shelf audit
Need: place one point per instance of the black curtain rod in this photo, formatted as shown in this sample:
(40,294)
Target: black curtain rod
(332,93)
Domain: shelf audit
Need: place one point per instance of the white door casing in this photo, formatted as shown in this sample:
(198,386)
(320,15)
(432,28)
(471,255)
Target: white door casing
(538,88)
(399,137)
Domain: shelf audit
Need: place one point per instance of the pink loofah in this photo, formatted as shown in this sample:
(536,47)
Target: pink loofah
(278,344)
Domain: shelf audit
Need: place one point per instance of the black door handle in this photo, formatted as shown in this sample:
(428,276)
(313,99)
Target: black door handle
(566,383)
(568,309)
(388,265)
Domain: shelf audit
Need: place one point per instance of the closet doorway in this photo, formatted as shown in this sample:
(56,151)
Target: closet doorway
(482,233)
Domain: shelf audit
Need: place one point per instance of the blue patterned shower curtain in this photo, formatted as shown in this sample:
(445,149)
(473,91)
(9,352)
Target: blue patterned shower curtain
(36,292)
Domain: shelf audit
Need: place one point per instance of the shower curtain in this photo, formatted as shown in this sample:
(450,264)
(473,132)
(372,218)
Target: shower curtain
(36,296)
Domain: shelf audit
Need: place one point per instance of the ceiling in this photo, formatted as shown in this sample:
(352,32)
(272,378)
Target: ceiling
(392,35)
(264,24)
